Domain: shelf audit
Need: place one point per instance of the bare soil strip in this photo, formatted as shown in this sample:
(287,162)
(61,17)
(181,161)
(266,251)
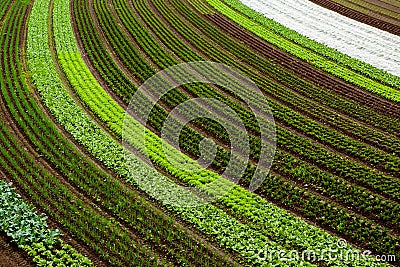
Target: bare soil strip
(11,255)
(378,12)
(384,5)
(305,70)
(178,222)
(361,17)
(24,142)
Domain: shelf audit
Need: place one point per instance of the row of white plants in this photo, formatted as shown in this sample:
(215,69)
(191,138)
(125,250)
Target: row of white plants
(366,43)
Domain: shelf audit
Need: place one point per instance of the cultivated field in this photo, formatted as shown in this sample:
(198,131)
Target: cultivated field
(285,153)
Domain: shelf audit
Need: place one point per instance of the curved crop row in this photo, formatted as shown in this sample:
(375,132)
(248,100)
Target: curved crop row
(202,27)
(113,195)
(355,39)
(97,98)
(98,106)
(188,55)
(290,118)
(14,160)
(186,12)
(366,7)
(73,167)
(3,8)
(279,107)
(44,189)
(331,190)
(108,194)
(375,14)
(29,230)
(329,53)
(159,50)
(210,215)
(144,48)
(97,208)
(314,59)
(302,124)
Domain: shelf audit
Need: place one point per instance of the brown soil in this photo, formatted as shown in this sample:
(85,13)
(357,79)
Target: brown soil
(11,255)
(5,13)
(273,97)
(364,93)
(384,5)
(178,222)
(370,19)
(298,212)
(306,71)
(377,14)
(220,143)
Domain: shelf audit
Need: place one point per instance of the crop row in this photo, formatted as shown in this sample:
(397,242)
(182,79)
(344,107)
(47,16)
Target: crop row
(312,58)
(159,115)
(111,112)
(45,190)
(109,190)
(85,96)
(154,187)
(204,27)
(143,173)
(306,127)
(203,178)
(3,8)
(392,2)
(365,7)
(360,134)
(202,7)
(89,185)
(350,146)
(317,132)
(327,179)
(355,39)
(324,96)
(343,59)
(282,155)
(30,231)
(343,124)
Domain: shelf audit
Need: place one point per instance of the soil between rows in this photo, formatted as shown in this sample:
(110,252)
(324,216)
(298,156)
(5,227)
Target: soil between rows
(11,255)
(370,19)
(22,139)
(384,5)
(178,222)
(364,92)
(305,70)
